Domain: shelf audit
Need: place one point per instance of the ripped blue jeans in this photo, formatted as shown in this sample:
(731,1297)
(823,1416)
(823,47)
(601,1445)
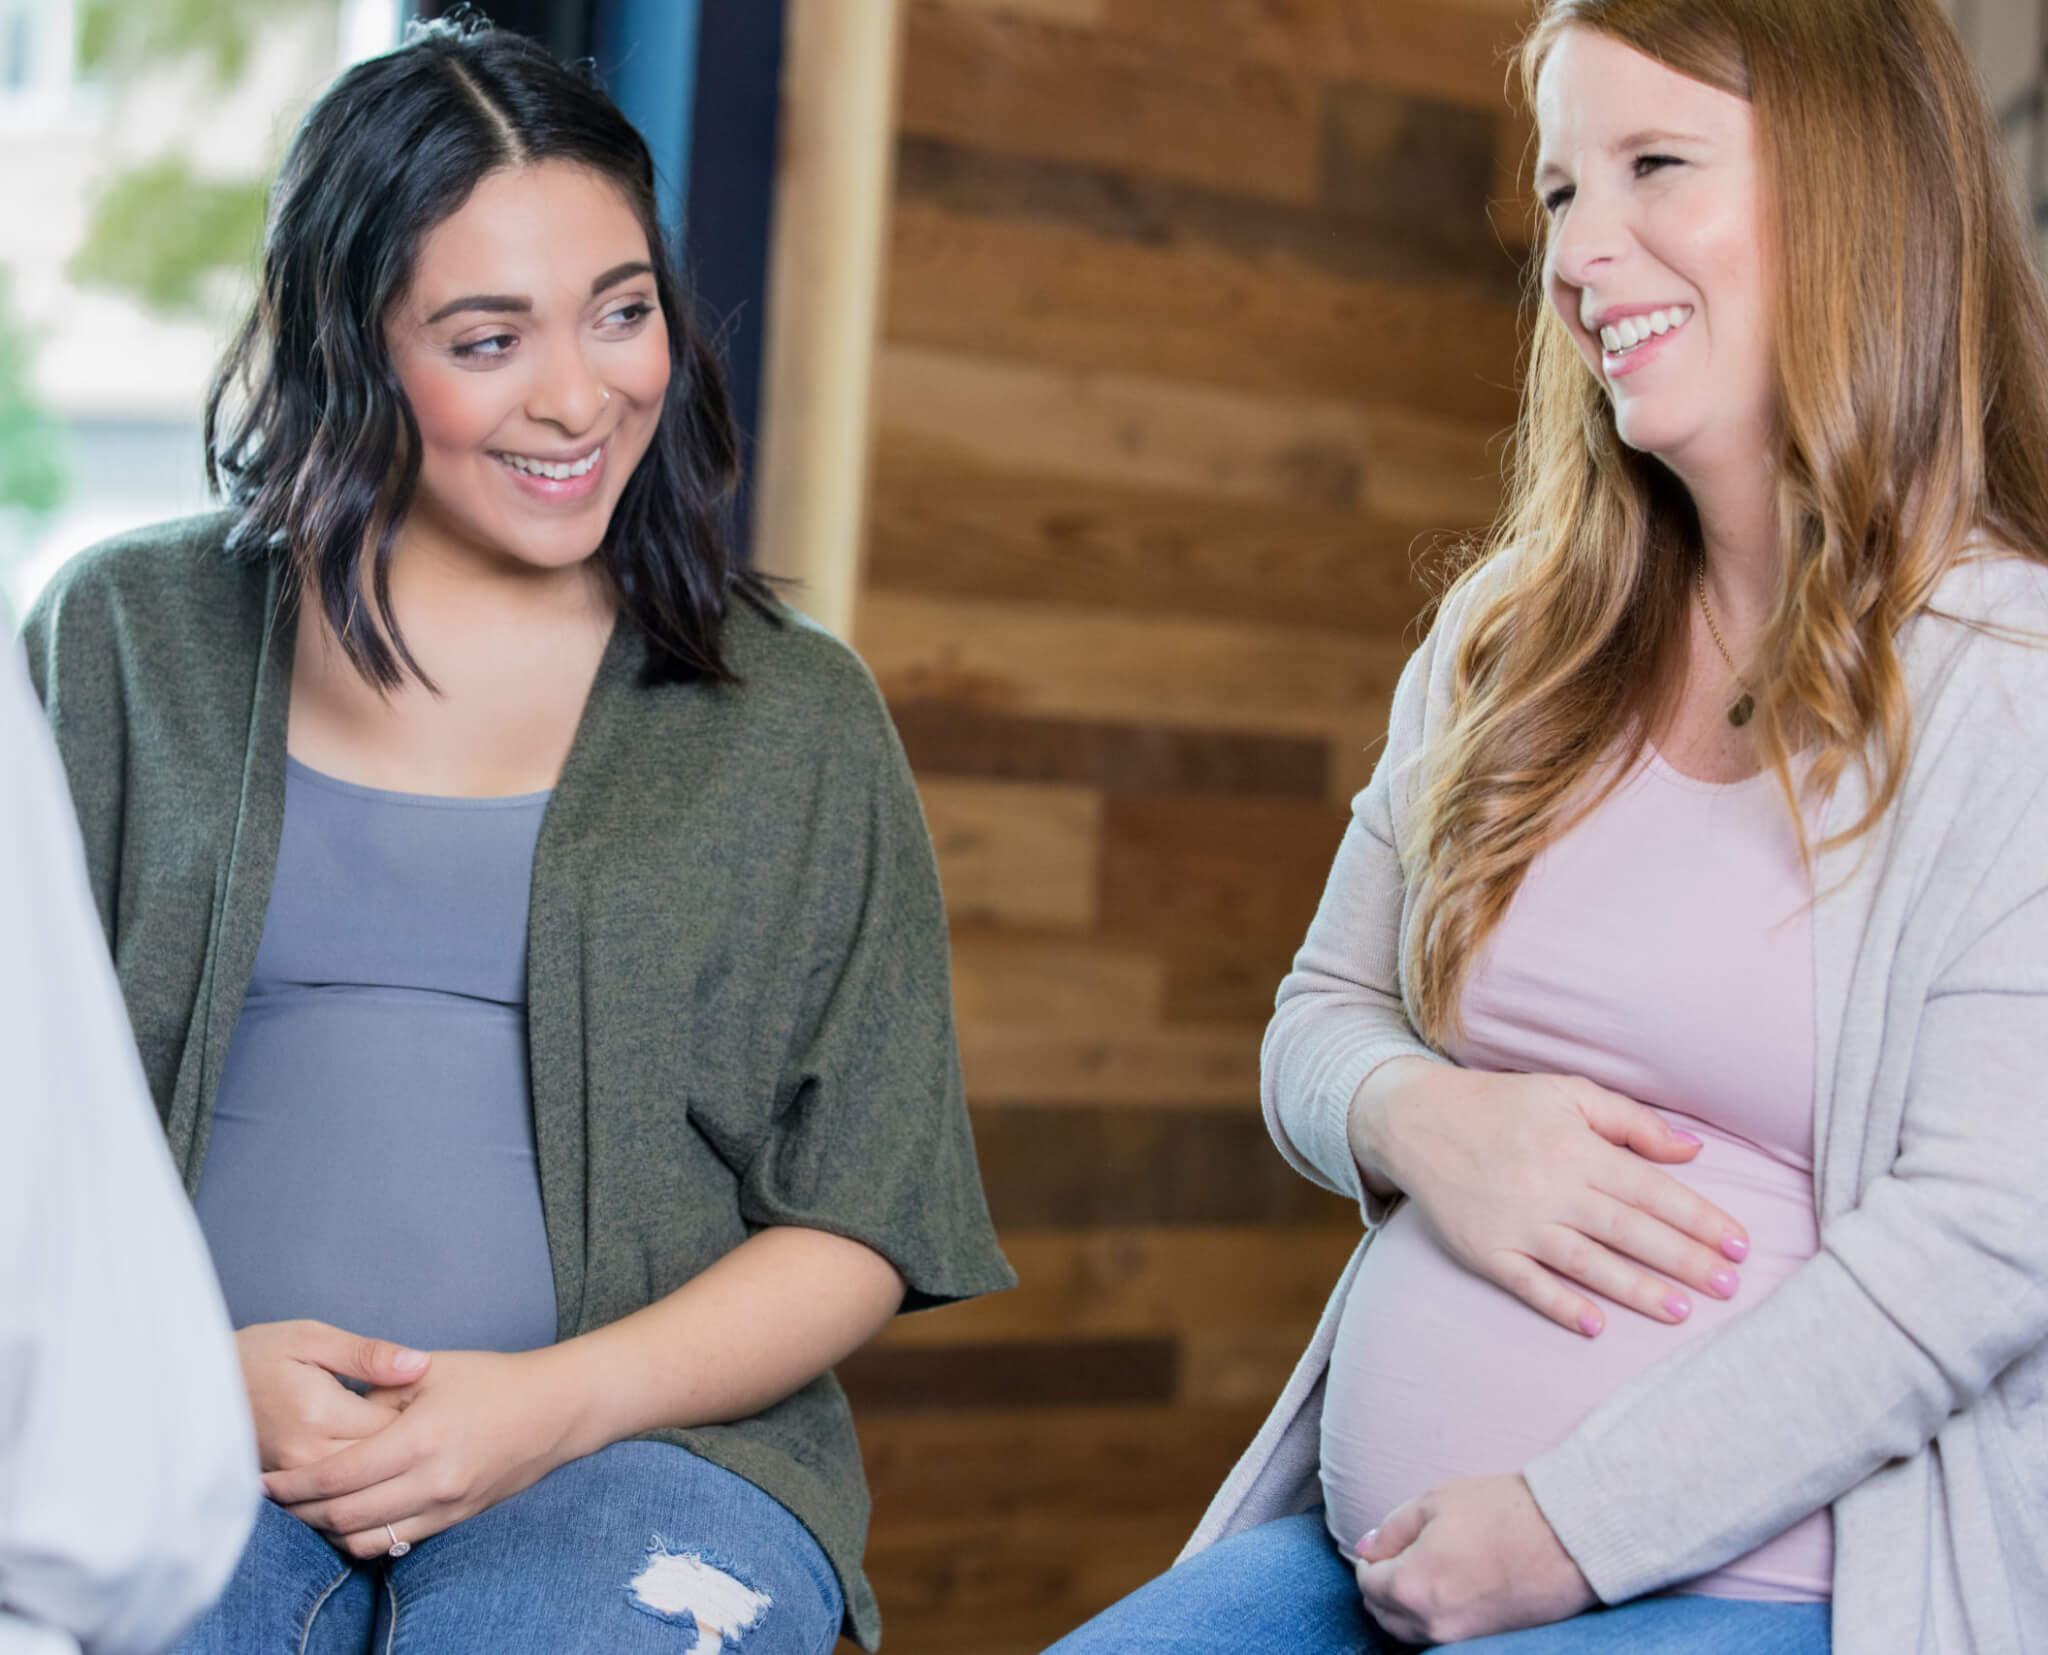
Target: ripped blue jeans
(639,1549)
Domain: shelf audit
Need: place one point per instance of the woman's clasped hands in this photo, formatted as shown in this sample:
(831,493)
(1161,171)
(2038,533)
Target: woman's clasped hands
(434,1440)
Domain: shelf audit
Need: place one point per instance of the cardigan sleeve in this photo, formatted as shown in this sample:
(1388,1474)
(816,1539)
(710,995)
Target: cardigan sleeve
(1919,1297)
(69,639)
(870,1138)
(1339,1014)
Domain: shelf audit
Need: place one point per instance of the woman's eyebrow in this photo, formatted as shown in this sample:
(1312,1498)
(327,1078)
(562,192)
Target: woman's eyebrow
(1656,135)
(481,301)
(620,273)
(519,302)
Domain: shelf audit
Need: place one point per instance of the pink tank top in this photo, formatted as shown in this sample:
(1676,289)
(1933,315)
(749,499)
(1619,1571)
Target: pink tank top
(1664,949)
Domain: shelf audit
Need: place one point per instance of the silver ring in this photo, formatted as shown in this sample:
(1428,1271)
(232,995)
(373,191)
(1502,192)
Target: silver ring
(398,1547)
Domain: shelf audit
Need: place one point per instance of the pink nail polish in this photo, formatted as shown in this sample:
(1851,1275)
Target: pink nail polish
(1685,1137)
(1590,1324)
(1736,1248)
(1724,1282)
(1677,1307)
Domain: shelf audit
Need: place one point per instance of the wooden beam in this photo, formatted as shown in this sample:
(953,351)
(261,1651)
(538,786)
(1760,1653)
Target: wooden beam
(825,284)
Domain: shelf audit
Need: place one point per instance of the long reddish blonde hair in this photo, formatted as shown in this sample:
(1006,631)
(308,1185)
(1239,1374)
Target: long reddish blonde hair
(1912,413)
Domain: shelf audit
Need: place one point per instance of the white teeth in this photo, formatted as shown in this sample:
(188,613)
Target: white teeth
(1631,331)
(544,468)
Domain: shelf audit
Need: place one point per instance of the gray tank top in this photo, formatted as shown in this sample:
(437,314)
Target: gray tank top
(371,1161)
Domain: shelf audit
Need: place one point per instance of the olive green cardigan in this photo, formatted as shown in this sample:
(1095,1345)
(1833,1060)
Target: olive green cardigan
(738,1007)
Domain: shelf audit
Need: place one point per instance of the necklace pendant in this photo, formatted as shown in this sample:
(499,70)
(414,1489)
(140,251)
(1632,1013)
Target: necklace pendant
(1739,714)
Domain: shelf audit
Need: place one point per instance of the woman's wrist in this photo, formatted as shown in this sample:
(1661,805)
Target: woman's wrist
(1372,1127)
(582,1402)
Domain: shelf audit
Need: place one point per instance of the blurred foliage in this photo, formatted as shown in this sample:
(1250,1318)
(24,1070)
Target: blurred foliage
(31,453)
(160,230)
(118,37)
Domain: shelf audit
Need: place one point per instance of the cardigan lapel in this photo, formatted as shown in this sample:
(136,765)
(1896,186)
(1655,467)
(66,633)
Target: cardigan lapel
(556,1030)
(242,894)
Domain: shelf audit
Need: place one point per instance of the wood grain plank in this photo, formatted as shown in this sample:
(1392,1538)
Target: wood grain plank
(980,1585)
(1079,1462)
(1237,1367)
(1224,980)
(1451,49)
(1165,213)
(1070,1168)
(1075,14)
(1515,211)
(1234,868)
(1017,416)
(1063,296)
(1010,82)
(943,523)
(1014,851)
(1140,1068)
(1053,982)
(1151,1282)
(1064,1374)
(945,738)
(1057,661)
(1416,170)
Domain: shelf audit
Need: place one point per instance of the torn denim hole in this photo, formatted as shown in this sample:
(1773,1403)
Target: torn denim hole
(700,1593)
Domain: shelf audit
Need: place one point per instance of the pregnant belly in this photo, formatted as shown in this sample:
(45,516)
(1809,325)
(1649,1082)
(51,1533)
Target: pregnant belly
(371,1164)
(1437,1373)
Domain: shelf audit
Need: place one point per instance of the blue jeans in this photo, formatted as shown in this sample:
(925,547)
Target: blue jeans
(1282,1589)
(641,1547)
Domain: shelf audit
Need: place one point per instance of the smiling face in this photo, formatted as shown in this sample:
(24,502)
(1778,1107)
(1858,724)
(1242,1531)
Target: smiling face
(1656,260)
(533,351)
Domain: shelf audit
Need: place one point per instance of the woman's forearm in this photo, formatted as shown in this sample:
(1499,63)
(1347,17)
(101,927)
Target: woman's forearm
(761,1323)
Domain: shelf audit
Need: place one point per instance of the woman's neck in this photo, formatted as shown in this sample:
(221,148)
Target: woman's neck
(436,586)
(1737,508)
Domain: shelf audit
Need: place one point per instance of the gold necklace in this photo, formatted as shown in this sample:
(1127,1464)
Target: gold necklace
(1745,704)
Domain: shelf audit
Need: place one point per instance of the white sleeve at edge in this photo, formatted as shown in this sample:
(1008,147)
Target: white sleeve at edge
(128,1480)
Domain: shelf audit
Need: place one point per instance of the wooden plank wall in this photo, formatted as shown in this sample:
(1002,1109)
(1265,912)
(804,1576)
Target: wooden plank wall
(1200,333)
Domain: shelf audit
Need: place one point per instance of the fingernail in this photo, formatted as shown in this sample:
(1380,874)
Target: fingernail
(1685,1137)
(1590,1324)
(1736,1248)
(1724,1282)
(1371,1535)
(409,1361)
(1677,1307)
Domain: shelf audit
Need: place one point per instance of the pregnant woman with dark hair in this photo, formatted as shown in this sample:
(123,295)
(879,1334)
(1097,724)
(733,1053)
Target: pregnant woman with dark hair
(527,923)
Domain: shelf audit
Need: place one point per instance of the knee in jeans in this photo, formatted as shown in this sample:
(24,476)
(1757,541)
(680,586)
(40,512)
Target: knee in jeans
(700,1593)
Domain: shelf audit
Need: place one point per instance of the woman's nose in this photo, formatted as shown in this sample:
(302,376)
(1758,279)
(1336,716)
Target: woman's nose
(1592,234)
(568,394)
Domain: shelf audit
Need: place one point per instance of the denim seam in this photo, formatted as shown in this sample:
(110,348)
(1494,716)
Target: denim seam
(319,1603)
(391,1636)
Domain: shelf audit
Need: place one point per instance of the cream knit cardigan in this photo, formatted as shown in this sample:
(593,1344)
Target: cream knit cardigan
(1901,1375)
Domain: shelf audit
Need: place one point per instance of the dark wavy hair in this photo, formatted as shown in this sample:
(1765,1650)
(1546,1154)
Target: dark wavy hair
(321,454)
